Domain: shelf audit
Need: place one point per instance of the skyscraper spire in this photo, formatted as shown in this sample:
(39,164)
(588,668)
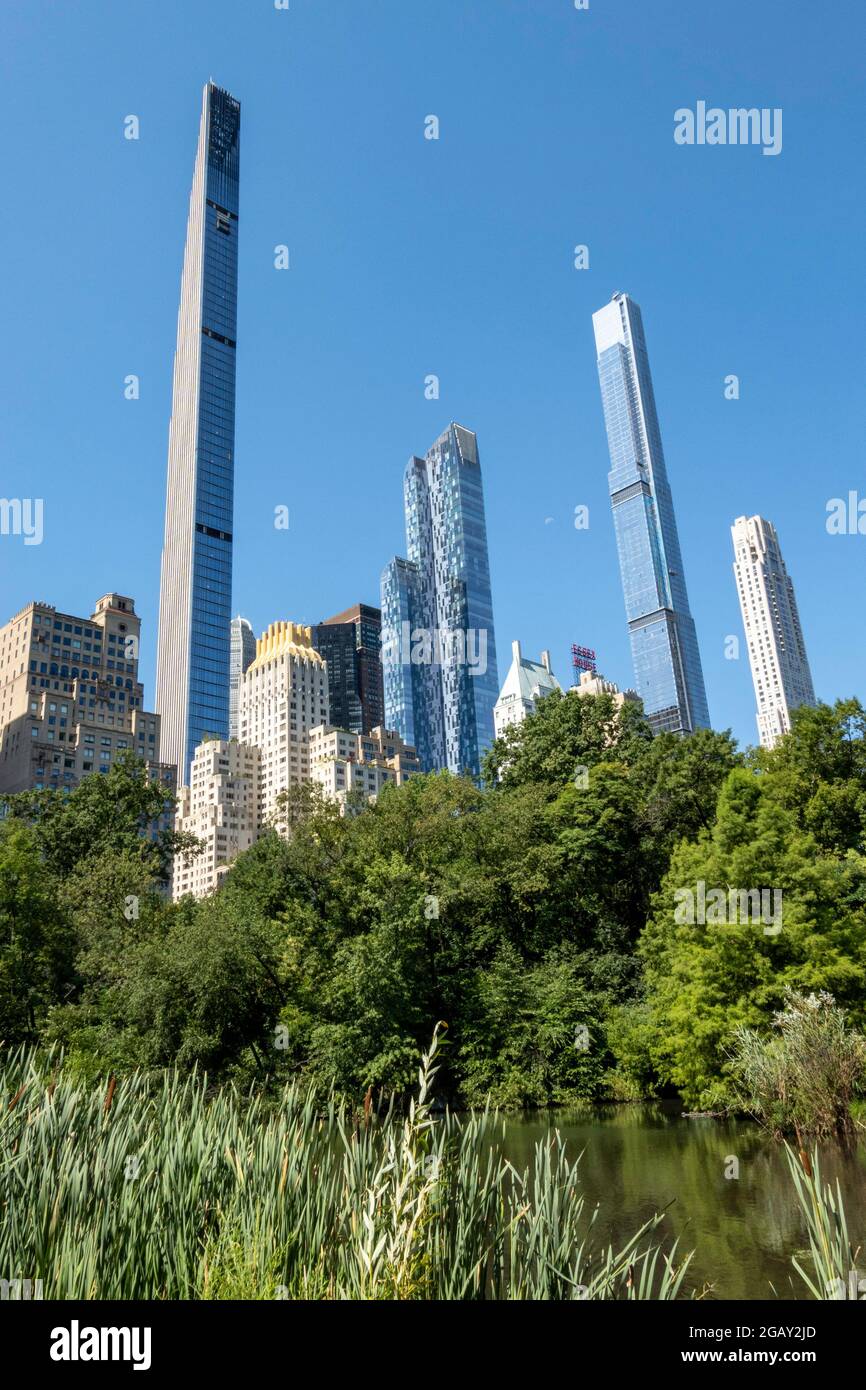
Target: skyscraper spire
(192,667)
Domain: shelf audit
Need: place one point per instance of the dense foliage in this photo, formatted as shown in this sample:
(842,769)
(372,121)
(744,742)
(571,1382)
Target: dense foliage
(537,914)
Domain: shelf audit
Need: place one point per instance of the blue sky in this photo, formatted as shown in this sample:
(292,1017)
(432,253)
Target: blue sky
(454,257)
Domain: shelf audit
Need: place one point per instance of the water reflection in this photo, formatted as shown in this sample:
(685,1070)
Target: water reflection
(638,1159)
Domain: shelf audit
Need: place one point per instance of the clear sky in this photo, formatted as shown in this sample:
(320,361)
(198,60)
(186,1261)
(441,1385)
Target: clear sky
(412,257)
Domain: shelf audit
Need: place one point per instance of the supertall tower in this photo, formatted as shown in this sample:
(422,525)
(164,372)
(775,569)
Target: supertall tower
(192,666)
(777,652)
(667,663)
(438,644)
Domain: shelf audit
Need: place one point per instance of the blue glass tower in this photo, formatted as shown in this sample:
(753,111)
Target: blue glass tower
(664,645)
(192,669)
(438,644)
(401,679)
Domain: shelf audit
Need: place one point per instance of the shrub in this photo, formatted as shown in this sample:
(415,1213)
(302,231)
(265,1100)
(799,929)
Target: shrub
(803,1079)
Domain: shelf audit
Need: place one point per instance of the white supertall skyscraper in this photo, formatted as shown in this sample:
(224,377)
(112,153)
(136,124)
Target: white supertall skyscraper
(777,652)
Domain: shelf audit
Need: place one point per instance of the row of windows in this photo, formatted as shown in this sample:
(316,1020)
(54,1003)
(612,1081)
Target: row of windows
(74,672)
(94,634)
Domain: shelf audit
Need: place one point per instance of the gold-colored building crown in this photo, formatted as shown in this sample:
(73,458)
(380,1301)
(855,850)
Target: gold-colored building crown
(285,639)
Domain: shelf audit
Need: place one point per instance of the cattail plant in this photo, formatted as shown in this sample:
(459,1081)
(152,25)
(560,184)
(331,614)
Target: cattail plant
(157,1188)
(832,1266)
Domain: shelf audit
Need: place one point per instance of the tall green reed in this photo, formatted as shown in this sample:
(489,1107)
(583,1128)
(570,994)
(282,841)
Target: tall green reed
(830,1272)
(156,1188)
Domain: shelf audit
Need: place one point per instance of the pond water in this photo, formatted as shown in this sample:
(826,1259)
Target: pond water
(638,1159)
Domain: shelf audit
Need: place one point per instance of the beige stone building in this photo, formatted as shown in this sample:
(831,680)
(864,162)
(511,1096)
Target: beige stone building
(592,684)
(70,697)
(221,808)
(780,668)
(343,762)
(283,694)
(285,740)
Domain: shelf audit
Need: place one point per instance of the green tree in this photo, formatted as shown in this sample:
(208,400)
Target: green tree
(566,732)
(37,945)
(123,809)
(819,772)
(706,979)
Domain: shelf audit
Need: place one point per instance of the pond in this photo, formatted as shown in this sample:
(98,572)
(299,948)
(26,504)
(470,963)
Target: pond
(638,1159)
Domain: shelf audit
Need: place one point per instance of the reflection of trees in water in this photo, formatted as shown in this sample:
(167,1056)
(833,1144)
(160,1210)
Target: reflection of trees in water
(639,1158)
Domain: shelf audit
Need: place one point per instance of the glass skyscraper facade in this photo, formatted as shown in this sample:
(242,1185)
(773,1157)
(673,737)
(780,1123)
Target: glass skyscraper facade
(401,679)
(664,644)
(193,652)
(438,644)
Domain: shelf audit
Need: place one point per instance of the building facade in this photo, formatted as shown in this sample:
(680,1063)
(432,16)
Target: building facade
(70,697)
(403,682)
(225,808)
(343,762)
(242,653)
(192,669)
(664,645)
(221,807)
(438,643)
(527,682)
(590,683)
(777,652)
(351,642)
(283,695)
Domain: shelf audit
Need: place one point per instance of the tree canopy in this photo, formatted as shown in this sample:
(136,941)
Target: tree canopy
(536,914)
